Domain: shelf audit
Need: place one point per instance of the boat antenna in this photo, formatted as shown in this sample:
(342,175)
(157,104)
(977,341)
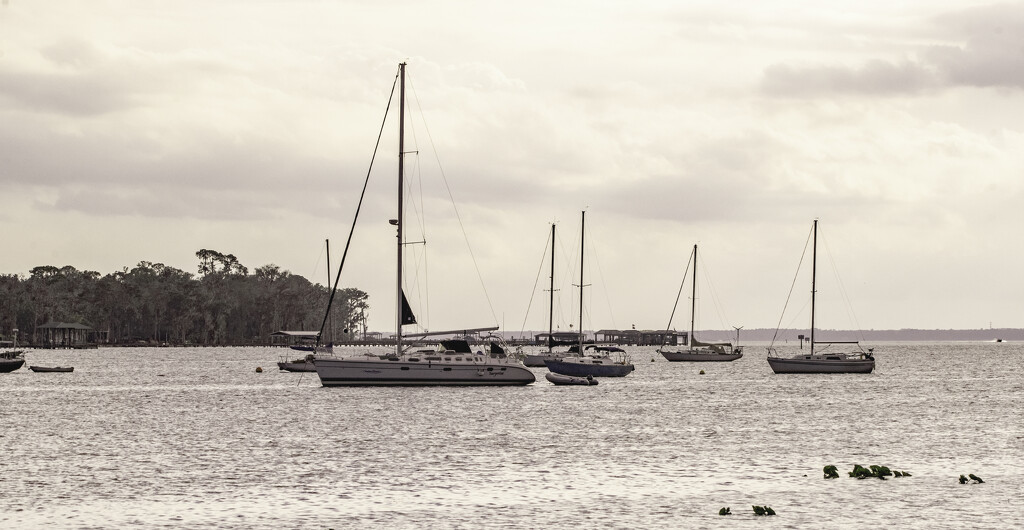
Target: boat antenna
(359,206)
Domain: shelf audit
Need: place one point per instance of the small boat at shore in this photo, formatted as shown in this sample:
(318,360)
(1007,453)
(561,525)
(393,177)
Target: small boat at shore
(62,369)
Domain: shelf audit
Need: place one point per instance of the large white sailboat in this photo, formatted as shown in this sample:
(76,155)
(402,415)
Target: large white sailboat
(450,363)
(697,351)
(823,361)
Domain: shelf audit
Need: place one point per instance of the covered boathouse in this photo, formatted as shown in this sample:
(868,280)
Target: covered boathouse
(638,337)
(71,335)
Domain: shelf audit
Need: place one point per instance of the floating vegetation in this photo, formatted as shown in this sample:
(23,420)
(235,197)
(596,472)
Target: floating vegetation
(871,472)
(831,472)
(725,511)
(763,510)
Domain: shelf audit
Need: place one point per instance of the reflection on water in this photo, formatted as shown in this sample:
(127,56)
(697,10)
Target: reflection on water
(195,437)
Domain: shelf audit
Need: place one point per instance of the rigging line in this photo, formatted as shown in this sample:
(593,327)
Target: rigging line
(791,287)
(842,287)
(359,206)
(716,302)
(568,276)
(533,292)
(675,305)
(316,265)
(451,197)
(604,285)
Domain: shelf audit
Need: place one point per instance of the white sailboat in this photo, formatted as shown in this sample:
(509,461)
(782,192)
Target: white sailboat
(594,361)
(451,363)
(822,362)
(697,351)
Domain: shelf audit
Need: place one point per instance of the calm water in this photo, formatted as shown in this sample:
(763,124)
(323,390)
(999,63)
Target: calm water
(194,437)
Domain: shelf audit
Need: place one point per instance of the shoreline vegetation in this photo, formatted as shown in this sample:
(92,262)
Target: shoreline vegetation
(155,304)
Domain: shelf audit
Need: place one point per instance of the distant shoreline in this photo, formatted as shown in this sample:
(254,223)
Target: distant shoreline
(872,335)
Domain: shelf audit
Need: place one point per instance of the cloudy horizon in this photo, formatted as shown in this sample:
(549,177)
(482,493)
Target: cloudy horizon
(145,131)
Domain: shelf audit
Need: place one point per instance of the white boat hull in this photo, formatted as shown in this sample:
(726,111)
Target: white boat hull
(304,366)
(796,365)
(371,371)
(700,356)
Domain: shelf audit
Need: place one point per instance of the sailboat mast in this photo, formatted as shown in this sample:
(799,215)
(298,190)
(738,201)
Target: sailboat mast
(814,276)
(401,186)
(551,299)
(330,329)
(693,300)
(583,232)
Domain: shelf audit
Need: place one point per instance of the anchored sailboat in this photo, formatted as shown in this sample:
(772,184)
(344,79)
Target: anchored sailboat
(697,351)
(538,359)
(452,362)
(822,362)
(599,362)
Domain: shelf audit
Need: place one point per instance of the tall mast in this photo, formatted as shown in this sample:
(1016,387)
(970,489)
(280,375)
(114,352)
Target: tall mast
(551,299)
(814,274)
(401,186)
(330,332)
(693,299)
(583,232)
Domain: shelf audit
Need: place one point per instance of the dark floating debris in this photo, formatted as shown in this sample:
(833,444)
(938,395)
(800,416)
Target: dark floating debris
(725,511)
(859,472)
(871,472)
(763,510)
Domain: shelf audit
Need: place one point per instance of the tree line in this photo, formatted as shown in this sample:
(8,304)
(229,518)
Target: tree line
(154,303)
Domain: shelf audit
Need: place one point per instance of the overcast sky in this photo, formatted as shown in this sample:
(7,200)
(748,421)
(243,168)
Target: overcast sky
(144,131)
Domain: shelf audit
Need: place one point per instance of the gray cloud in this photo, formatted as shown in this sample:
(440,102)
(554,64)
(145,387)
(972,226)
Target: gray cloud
(984,50)
(877,77)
